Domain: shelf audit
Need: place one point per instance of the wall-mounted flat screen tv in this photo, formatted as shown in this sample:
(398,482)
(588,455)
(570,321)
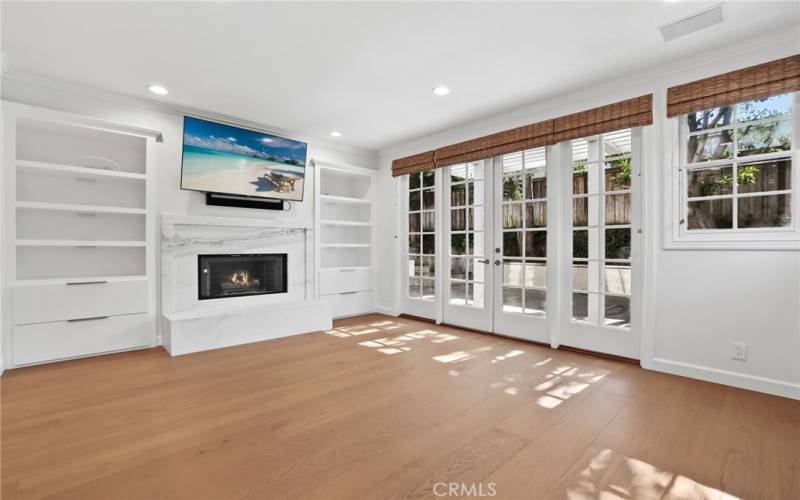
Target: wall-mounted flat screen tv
(219,158)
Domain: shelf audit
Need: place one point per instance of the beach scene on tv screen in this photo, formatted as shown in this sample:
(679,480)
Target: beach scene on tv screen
(224,159)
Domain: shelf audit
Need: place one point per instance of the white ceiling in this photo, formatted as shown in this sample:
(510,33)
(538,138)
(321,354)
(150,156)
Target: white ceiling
(366,69)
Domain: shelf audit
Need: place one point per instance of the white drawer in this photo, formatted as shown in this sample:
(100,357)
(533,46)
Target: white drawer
(344,280)
(81,299)
(351,303)
(68,339)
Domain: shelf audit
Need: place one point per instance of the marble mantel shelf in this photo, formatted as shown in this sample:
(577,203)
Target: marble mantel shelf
(168,220)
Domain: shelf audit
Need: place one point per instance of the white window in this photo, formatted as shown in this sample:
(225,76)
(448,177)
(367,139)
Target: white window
(735,172)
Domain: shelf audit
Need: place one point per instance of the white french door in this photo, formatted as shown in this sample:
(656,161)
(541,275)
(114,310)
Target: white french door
(542,244)
(468,267)
(496,245)
(604,244)
(521,245)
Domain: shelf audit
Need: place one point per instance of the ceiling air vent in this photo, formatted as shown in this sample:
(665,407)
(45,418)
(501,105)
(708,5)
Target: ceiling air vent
(693,23)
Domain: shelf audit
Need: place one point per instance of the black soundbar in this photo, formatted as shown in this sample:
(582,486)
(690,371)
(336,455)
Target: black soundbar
(231,200)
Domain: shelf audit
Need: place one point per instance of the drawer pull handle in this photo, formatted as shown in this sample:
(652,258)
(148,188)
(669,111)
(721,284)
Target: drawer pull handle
(347,293)
(86,319)
(86,214)
(347,270)
(86,282)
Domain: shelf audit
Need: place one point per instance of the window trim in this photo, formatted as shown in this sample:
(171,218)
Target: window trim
(677,237)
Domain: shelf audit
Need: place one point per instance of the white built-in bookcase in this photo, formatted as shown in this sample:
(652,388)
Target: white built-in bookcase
(344,237)
(78,255)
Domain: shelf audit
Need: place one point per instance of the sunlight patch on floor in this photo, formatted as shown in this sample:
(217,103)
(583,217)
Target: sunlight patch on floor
(565,382)
(366,329)
(400,343)
(613,475)
(508,355)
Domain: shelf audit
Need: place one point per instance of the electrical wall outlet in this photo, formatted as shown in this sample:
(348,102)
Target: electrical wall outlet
(739,351)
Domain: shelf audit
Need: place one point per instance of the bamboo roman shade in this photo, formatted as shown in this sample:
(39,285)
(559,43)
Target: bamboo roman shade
(413,164)
(624,114)
(508,141)
(756,82)
(634,112)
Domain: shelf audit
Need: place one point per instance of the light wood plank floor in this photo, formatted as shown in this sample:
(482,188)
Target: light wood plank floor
(383,407)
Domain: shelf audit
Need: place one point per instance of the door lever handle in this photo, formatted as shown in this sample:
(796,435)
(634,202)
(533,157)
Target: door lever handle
(484,261)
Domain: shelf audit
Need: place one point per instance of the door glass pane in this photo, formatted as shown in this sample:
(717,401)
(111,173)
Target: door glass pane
(536,214)
(458,293)
(535,301)
(618,243)
(512,300)
(536,274)
(458,244)
(618,209)
(414,202)
(512,272)
(414,288)
(413,223)
(458,195)
(617,311)
(618,175)
(512,216)
(580,306)
(458,268)
(617,278)
(428,267)
(536,243)
(512,244)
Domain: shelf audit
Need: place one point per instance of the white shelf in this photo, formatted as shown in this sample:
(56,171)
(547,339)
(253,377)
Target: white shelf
(82,279)
(79,243)
(345,245)
(346,172)
(76,172)
(68,207)
(353,223)
(344,268)
(331,198)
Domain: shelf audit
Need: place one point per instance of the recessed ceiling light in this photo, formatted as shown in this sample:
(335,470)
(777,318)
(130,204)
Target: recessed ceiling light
(335,133)
(441,90)
(158,89)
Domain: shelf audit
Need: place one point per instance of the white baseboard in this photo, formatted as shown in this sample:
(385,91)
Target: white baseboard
(741,380)
(385,310)
(2,366)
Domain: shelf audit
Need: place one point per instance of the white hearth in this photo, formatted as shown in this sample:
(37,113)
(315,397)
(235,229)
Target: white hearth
(191,325)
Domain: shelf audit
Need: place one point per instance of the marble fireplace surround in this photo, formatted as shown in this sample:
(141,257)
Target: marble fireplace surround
(191,325)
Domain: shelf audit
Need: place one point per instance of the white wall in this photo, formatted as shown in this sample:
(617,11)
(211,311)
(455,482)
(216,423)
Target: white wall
(697,302)
(168,197)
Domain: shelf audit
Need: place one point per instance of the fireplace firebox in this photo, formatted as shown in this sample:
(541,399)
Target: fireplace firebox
(237,275)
